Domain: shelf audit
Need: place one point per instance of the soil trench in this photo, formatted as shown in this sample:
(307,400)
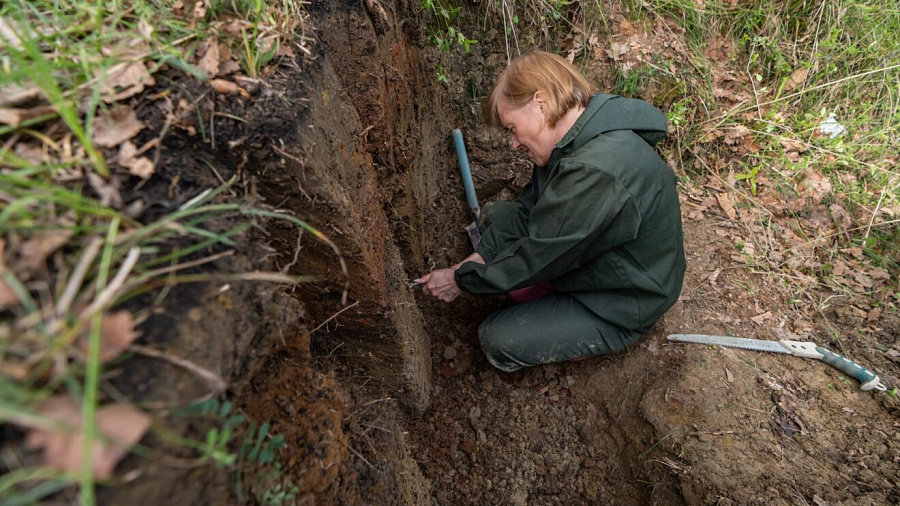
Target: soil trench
(387,398)
(375,165)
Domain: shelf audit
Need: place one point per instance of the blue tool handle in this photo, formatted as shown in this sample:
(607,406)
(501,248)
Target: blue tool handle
(867,379)
(464,170)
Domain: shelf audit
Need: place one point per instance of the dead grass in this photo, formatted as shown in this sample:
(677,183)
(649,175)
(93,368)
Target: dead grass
(72,250)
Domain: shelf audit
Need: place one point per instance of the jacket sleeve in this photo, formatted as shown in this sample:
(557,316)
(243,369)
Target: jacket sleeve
(583,213)
(506,227)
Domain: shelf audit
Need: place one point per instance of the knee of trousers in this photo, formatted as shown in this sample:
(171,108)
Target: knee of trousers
(497,343)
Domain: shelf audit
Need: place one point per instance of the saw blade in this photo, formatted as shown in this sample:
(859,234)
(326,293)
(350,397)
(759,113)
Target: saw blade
(732,342)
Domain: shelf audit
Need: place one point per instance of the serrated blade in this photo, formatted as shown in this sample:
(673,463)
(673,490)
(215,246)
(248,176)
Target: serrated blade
(732,342)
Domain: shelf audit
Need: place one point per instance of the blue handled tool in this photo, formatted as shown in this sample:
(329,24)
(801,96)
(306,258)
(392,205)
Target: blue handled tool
(867,379)
(466,173)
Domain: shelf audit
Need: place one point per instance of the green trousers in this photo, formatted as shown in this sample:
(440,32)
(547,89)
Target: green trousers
(553,328)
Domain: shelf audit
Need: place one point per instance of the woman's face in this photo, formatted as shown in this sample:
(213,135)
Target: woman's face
(527,128)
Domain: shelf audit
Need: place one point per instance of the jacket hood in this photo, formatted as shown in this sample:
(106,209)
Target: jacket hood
(609,113)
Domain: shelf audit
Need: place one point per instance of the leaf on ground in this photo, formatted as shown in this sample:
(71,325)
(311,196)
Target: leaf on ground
(116,335)
(7,296)
(796,78)
(199,11)
(734,134)
(760,319)
(13,96)
(125,80)
(120,427)
(873,315)
(107,190)
(116,127)
(33,254)
(209,62)
(818,186)
(13,117)
(139,166)
(228,88)
(726,202)
(616,50)
(235,28)
(229,67)
(145,28)
(840,268)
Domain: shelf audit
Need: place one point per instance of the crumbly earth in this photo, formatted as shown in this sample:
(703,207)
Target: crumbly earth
(388,399)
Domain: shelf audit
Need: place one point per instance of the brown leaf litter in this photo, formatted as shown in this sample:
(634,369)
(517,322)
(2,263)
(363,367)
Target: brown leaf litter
(137,165)
(118,426)
(116,126)
(125,80)
(7,296)
(117,332)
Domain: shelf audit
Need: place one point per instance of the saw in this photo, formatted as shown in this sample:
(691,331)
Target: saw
(868,380)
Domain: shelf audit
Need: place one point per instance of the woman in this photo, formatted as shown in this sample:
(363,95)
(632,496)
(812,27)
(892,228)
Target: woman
(593,250)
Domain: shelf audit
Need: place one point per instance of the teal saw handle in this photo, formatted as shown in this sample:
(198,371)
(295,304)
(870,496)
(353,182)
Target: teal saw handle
(465,171)
(867,379)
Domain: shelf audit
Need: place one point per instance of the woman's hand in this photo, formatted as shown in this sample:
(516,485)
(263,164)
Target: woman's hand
(441,283)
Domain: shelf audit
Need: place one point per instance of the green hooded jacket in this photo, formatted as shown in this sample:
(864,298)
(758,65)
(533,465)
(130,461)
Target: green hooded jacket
(602,218)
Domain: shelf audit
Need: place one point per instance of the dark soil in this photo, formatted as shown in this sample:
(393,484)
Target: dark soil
(388,399)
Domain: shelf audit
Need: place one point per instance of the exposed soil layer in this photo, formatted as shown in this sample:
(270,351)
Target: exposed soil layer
(387,399)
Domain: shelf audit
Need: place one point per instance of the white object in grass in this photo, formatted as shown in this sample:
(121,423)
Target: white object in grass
(831,127)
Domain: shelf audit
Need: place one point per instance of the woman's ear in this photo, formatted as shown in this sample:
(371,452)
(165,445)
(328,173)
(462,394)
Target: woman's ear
(538,99)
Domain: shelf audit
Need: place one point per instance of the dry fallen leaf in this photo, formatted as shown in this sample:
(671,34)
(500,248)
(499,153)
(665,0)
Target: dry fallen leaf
(209,63)
(138,166)
(818,186)
(726,202)
(228,88)
(796,79)
(200,9)
(7,296)
(735,133)
(13,96)
(236,27)
(616,50)
(119,125)
(13,116)
(116,335)
(760,319)
(121,425)
(145,28)
(131,77)
(32,255)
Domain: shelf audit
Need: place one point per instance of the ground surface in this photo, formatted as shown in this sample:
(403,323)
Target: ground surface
(390,401)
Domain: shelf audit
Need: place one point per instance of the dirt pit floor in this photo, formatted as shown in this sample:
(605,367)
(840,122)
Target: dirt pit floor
(387,398)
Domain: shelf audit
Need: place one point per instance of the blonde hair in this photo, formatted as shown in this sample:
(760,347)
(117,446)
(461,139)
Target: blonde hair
(562,85)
